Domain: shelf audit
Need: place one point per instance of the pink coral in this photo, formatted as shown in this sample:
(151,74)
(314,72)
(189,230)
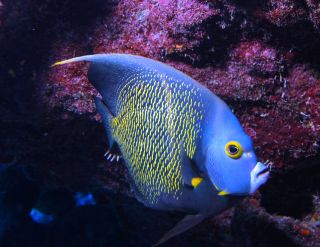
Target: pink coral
(153,28)
(256,56)
(285,12)
(288,12)
(314,12)
(146,28)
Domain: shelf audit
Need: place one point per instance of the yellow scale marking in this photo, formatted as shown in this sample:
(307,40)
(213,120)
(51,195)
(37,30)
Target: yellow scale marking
(158,119)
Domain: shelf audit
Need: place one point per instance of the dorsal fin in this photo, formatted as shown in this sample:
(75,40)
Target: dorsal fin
(86,58)
(107,72)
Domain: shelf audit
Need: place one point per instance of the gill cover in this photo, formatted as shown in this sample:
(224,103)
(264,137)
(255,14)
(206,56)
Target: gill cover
(230,156)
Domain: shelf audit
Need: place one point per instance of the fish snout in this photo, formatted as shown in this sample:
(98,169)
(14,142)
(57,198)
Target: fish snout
(259,175)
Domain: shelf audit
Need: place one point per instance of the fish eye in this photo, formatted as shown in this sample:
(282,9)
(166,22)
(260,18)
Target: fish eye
(233,149)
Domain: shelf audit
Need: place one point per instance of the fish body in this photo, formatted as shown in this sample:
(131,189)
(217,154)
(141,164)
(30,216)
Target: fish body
(159,116)
(184,148)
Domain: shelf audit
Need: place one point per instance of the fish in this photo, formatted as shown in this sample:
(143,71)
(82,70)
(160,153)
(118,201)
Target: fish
(184,148)
(84,199)
(51,204)
(39,217)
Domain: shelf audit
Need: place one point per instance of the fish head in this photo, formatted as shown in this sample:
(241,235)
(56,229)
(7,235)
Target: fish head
(232,165)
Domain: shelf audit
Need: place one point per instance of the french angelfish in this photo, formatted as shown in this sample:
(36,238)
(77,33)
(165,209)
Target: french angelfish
(184,148)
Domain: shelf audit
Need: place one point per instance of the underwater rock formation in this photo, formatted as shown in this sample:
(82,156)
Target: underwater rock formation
(267,81)
(261,57)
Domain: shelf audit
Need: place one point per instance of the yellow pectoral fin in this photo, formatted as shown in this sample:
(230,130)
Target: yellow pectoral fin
(196,181)
(223,193)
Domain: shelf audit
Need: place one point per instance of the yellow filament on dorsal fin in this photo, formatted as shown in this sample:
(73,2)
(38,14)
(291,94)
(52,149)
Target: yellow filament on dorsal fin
(88,58)
(62,62)
(196,181)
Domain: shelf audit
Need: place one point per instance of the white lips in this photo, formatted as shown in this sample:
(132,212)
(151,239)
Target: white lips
(258,178)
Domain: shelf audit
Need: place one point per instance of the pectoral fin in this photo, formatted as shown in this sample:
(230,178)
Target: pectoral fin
(196,181)
(185,224)
(190,173)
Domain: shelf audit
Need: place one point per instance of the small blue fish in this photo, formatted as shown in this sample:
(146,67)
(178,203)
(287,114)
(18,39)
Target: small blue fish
(40,217)
(184,148)
(84,199)
(51,204)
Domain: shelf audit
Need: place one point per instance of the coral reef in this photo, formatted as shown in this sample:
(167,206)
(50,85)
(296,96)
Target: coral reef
(261,57)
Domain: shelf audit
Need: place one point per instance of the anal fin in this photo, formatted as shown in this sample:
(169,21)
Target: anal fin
(185,224)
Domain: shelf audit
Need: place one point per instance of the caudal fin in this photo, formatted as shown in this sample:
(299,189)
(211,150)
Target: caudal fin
(185,224)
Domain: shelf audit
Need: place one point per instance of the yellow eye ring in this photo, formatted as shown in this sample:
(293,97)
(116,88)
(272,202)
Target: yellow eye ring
(233,149)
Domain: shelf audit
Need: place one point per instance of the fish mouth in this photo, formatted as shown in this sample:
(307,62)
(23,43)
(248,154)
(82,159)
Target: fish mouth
(265,168)
(259,175)
(263,171)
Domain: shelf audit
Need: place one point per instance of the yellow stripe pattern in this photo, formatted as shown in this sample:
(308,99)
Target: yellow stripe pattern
(158,119)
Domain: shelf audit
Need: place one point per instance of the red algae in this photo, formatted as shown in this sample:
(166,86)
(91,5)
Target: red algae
(284,12)
(257,57)
(68,85)
(314,11)
(153,28)
(145,28)
(289,12)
